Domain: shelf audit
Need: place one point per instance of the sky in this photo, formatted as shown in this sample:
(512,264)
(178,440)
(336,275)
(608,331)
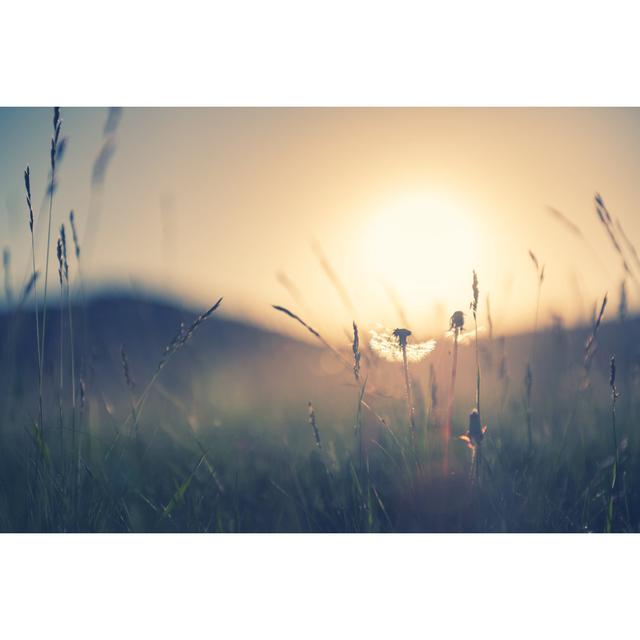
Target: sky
(402,204)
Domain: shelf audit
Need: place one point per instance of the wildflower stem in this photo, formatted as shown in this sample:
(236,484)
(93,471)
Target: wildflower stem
(452,385)
(477,450)
(407,382)
(475,320)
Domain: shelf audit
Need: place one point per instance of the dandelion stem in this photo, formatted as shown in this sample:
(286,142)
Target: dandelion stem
(407,383)
(452,386)
(401,335)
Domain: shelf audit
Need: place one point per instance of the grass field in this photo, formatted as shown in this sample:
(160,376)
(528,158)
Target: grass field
(223,440)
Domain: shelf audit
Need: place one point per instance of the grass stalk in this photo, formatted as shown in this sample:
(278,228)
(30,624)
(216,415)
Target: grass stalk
(474,311)
(333,350)
(67,296)
(182,337)
(61,355)
(27,184)
(57,124)
(473,428)
(614,435)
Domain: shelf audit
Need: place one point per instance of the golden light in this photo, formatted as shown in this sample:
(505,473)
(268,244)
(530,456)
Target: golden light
(425,247)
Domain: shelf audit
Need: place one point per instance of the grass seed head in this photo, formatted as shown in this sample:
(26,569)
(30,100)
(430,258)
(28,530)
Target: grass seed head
(612,374)
(590,345)
(65,262)
(476,292)
(314,426)
(27,186)
(356,352)
(74,233)
(29,286)
(57,125)
(59,255)
(528,381)
(126,370)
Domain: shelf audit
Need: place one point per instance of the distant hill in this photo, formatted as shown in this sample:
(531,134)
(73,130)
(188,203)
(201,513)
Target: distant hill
(233,367)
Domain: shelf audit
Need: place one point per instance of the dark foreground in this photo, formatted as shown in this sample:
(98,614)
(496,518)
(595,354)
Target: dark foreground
(222,442)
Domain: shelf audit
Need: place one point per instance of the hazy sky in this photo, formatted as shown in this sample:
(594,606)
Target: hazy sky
(207,202)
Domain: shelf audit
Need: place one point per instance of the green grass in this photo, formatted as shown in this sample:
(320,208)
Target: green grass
(252,475)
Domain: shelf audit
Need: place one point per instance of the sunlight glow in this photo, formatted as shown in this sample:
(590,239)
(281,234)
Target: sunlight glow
(424,247)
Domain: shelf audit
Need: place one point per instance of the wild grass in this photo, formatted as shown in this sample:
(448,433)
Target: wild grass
(528,375)
(456,327)
(27,185)
(55,139)
(614,434)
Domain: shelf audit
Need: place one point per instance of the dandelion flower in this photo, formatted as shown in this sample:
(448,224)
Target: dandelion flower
(390,344)
(393,346)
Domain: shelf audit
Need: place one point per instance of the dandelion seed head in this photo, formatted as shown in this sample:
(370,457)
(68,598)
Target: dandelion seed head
(356,352)
(458,332)
(388,345)
(457,320)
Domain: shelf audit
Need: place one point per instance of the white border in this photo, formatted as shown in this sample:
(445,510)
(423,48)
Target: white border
(334,52)
(312,586)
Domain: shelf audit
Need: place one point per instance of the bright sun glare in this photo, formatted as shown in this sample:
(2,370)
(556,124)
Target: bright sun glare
(424,246)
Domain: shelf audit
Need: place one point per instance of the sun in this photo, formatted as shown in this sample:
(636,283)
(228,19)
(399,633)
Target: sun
(425,247)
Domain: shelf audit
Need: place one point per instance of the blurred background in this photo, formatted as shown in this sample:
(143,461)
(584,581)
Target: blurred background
(400,205)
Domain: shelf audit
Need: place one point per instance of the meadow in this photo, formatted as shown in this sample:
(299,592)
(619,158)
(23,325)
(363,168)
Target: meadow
(125,413)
